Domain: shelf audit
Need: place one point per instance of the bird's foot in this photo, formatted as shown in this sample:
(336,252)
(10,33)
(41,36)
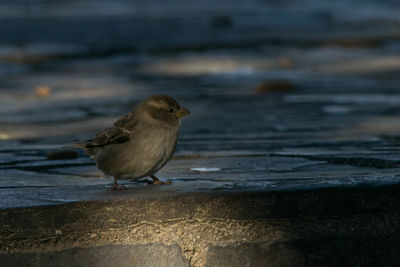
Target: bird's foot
(157,181)
(116,187)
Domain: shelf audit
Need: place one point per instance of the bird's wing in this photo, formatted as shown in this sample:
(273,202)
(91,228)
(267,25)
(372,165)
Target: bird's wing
(127,121)
(112,135)
(121,132)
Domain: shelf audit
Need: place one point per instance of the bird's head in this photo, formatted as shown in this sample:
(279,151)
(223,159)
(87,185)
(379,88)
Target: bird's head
(166,109)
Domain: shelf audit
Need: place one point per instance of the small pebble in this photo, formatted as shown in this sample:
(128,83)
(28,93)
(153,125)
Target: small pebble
(42,91)
(285,62)
(275,86)
(93,235)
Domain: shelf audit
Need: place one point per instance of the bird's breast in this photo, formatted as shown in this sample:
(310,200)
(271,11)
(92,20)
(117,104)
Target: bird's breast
(144,154)
(151,151)
(162,143)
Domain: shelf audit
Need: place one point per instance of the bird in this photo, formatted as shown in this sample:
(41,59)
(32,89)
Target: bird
(139,143)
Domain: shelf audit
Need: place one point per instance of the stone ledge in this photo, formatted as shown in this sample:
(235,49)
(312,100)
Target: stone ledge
(113,255)
(305,226)
(321,251)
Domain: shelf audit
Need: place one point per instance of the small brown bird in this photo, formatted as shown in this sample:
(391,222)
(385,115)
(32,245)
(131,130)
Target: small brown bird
(139,143)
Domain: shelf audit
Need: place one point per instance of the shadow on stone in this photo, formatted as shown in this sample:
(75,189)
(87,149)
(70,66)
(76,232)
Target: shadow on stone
(250,254)
(321,251)
(113,255)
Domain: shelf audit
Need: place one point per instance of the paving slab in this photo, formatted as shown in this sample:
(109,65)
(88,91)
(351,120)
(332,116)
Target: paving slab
(291,149)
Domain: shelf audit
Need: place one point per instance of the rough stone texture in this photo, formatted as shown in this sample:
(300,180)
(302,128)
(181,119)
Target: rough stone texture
(346,250)
(294,103)
(255,254)
(340,225)
(122,255)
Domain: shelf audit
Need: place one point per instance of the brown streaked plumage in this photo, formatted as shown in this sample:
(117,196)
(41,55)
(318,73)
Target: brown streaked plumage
(139,143)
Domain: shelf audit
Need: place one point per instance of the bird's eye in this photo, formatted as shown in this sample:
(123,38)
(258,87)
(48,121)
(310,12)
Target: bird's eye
(171,110)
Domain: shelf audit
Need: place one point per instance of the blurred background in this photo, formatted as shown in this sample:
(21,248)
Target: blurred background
(261,77)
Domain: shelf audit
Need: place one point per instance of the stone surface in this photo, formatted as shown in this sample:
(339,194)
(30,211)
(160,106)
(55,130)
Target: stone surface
(254,254)
(314,164)
(340,225)
(347,250)
(123,255)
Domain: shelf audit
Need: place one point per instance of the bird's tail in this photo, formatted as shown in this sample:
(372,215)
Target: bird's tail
(81,145)
(89,149)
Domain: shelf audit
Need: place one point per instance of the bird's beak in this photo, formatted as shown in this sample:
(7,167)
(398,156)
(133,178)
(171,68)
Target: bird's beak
(182,112)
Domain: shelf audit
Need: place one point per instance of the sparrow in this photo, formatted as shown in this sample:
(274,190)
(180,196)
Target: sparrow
(140,143)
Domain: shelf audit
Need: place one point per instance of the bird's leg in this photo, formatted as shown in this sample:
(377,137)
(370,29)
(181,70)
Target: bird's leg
(115,185)
(156,180)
